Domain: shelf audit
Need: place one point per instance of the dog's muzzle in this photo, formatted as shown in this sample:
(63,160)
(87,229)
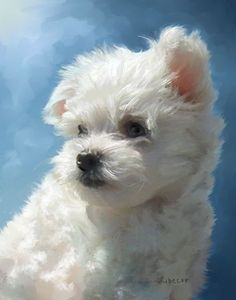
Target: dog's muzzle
(90,165)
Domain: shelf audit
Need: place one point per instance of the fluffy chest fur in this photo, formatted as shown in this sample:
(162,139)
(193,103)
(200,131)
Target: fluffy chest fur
(73,250)
(120,251)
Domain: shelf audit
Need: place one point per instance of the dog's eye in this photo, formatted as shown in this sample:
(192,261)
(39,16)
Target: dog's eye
(135,129)
(82,130)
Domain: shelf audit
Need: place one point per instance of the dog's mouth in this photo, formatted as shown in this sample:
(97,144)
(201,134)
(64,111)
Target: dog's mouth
(91,180)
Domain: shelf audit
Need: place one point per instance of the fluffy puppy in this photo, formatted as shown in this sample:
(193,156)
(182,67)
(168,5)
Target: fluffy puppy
(124,212)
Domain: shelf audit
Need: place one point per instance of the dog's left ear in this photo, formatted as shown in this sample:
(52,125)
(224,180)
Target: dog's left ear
(56,105)
(186,58)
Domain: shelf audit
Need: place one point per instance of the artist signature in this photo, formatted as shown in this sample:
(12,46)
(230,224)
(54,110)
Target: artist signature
(172,281)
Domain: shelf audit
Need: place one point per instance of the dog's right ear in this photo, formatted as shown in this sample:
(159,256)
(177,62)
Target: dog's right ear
(56,105)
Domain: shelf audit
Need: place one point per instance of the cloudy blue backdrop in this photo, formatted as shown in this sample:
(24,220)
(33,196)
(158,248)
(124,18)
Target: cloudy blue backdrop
(39,36)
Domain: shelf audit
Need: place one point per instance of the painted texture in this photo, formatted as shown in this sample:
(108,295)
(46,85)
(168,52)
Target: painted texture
(37,37)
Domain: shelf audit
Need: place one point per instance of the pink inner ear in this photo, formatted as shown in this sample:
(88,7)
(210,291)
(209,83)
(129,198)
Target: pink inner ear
(187,75)
(183,81)
(59,107)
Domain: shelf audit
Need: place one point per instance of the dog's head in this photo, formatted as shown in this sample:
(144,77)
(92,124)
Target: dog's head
(134,121)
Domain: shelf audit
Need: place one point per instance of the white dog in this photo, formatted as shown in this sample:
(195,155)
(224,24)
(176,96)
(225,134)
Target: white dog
(124,213)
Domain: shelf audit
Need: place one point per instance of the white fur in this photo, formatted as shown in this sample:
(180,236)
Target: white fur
(152,220)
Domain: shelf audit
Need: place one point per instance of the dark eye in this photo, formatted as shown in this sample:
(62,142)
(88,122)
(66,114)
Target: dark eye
(82,130)
(135,129)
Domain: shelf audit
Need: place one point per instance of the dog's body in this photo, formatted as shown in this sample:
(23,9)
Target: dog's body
(124,214)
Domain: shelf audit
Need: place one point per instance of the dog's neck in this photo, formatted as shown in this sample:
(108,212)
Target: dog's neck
(164,197)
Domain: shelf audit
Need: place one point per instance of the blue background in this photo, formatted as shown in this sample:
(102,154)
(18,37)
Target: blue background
(37,37)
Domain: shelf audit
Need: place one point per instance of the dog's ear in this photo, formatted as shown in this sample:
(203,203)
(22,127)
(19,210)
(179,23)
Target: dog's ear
(56,105)
(186,58)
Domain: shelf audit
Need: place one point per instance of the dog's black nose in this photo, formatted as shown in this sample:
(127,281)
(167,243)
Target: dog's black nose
(88,161)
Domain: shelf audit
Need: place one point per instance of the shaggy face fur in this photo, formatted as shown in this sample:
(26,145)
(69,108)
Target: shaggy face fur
(108,90)
(145,120)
